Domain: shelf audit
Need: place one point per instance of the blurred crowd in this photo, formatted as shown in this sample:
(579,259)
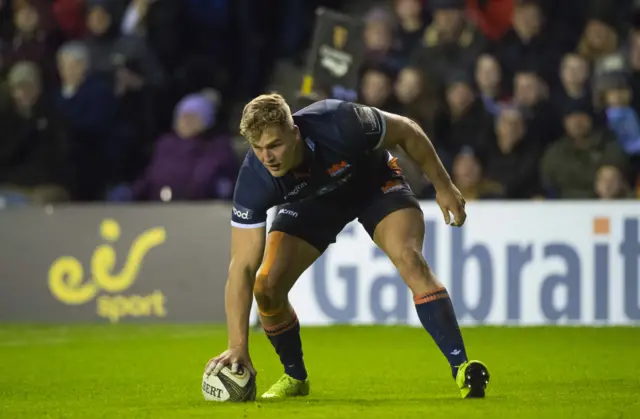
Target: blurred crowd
(131,100)
(524,99)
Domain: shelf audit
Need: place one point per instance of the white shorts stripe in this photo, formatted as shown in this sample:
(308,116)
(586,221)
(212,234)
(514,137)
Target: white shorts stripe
(239,225)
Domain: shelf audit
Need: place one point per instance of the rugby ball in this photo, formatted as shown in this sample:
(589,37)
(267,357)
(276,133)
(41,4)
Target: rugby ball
(227,386)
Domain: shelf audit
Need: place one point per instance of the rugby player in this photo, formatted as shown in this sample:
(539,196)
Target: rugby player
(327,165)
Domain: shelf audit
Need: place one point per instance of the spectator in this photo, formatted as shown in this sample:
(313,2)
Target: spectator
(493,17)
(379,41)
(599,37)
(468,65)
(469,179)
(512,158)
(192,163)
(416,99)
(467,122)
(88,107)
(569,166)
(412,24)
(32,150)
(124,57)
(137,77)
(574,77)
(488,77)
(621,118)
(528,43)
(33,39)
(377,89)
(530,93)
(450,42)
(158,22)
(634,66)
(611,184)
(69,16)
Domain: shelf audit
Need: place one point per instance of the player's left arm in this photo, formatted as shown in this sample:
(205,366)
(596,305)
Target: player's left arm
(405,133)
(366,129)
(400,131)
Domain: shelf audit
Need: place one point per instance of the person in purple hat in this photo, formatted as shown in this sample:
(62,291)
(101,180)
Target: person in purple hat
(192,162)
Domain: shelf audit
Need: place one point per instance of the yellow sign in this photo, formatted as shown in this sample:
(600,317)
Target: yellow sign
(340,34)
(67,283)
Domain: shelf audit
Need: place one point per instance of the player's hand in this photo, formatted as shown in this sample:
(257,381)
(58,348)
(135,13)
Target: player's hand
(235,357)
(451,201)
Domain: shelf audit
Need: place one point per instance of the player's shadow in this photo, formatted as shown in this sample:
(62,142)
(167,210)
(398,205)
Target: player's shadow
(374,401)
(379,401)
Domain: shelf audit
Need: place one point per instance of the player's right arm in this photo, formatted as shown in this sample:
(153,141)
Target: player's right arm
(252,199)
(247,248)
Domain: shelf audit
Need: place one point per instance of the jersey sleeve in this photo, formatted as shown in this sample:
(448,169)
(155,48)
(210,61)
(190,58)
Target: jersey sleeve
(362,127)
(252,198)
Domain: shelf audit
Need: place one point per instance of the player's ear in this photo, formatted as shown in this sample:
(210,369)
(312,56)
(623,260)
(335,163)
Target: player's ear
(296,132)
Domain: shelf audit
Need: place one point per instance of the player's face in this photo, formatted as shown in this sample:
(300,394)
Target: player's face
(277,149)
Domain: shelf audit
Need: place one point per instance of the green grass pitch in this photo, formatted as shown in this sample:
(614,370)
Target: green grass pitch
(133,371)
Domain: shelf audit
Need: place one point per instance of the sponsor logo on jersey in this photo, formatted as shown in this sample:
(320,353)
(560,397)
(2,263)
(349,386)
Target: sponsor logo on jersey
(296,190)
(288,212)
(338,168)
(392,186)
(242,213)
(393,165)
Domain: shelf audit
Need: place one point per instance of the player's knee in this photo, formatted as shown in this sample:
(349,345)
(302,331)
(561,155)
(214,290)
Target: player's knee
(409,259)
(267,295)
(412,266)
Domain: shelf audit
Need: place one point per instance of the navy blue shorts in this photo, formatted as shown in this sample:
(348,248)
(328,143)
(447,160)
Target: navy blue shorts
(319,220)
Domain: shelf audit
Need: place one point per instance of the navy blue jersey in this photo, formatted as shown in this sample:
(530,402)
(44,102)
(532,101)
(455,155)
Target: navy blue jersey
(342,153)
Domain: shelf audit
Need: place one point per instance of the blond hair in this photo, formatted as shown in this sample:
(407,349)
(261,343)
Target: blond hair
(263,111)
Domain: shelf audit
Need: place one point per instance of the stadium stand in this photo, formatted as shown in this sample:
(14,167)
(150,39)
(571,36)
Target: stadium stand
(119,100)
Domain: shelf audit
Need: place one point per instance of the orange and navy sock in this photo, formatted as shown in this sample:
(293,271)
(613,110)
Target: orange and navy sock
(285,338)
(437,316)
